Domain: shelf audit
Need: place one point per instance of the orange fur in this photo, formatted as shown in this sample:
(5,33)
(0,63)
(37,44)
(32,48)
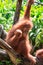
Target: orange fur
(39,53)
(19,40)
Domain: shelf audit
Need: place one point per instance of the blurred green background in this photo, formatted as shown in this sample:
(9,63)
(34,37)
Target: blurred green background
(7,10)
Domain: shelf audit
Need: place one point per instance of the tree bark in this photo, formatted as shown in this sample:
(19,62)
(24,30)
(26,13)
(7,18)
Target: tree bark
(17,12)
(9,50)
(15,58)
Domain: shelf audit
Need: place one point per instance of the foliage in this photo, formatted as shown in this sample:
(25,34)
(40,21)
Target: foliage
(7,14)
(39,38)
(41,0)
(5,62)
(7,9)
(37,14)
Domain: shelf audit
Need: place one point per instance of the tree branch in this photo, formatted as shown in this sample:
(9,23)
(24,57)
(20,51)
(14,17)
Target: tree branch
(9,50)
(17,13)
(14,56)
